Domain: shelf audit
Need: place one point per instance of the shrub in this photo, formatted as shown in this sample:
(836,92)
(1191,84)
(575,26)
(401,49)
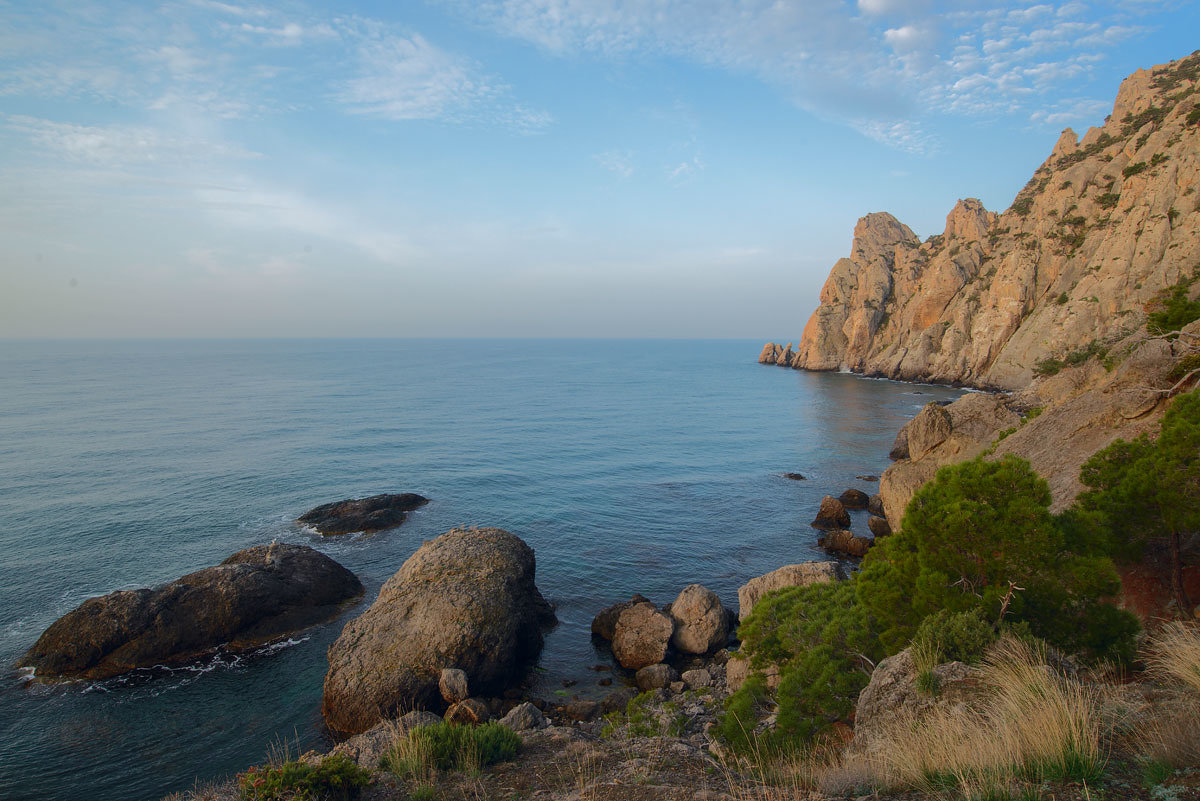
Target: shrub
(334,778)
(1171,310)
(448,746)
(1063,298)
(1134,169)
(973,535)
(736,724)
(1022,206)
(955,636)
(1144,490)
(1107,200)
(1193,117)
(823,642)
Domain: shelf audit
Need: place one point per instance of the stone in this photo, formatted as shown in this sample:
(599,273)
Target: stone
(367,749)
(854,499)
(868,478)
(453,685)
(617,700)
(879,526)
(800,575)
(255,596)
(471,712)
(641,636)
(467,599)
(794,477)
(676,687)
(418,718)
(697,678)
(832,514)
(604,624)
(928,430)
(892,695)
(847,542)
(376,513)
(580,709)
(655,677)
(524,717)
(737,670)
(700,622)
(875,505)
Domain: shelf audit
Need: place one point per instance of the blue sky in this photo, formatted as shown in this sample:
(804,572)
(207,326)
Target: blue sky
(512,167)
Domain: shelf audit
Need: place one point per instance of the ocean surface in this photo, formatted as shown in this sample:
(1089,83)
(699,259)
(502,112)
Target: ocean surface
(629,466)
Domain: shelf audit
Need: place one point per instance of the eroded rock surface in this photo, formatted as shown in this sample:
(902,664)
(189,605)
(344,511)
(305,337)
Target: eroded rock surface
(465,600)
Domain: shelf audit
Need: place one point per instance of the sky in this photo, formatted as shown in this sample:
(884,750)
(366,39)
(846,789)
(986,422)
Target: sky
(513,168)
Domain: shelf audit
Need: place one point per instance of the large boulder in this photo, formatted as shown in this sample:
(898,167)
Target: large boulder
(893,695)
(800,575)
(255,596)
(604,624)
(928,430)
(465,600)
(879,526)
(700,621)
(641,637)
(832,514)
(375,513)
(655,677)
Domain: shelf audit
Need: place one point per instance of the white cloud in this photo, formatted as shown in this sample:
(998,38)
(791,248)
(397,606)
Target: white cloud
(616,161)
(118,146)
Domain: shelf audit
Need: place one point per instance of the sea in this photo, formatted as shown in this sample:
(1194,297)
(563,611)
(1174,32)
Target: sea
(628,466)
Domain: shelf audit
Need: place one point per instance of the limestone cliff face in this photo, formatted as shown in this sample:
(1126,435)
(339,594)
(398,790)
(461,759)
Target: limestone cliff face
(1106,222)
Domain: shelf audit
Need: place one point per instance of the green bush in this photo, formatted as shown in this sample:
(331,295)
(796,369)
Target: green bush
(1063,298)
(823,642)
(1022,206)
(1134,169)
(955,636)
(970,538)
(736,724)
(1193,117)
(1172,310)
(335,778)
(1107,200)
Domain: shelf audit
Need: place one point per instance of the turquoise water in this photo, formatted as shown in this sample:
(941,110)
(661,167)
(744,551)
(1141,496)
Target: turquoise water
(629,466)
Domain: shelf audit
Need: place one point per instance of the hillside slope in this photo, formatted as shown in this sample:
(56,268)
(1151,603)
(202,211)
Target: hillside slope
(1105,224)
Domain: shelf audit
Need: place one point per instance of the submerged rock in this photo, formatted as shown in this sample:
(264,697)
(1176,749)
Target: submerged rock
(465,600)
(367,515)
(255,596)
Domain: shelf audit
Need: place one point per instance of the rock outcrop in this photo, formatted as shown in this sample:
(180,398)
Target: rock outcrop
(604,624)
(846,542)
(253,597)
(831,514)
(800,575)
(701,625)
(1105,224)
(367,515)
(642,636)
(466,600)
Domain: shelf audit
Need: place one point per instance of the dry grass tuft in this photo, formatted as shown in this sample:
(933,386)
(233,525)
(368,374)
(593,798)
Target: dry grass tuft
(1171,736)
(1174,655)
(1030,724)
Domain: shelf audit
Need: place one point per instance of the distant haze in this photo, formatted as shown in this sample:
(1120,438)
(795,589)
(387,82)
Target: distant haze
(591,168)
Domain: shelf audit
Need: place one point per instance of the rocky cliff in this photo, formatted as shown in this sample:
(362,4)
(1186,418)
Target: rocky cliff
(1105,224)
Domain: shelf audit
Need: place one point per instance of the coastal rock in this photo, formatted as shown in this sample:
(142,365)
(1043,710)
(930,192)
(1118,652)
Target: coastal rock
(1105,223)
(928,429)
(641,636)
(832,514)
(698,677)
(800,575)
(452,683)
(255,596)
(738,669)
(466,599)
(604,624)
(794,477)
(854,499)
(655,677)
(701,625)
(524,717)
(878,526)
(875,505)
(367,515)
(847,542)
(892,696)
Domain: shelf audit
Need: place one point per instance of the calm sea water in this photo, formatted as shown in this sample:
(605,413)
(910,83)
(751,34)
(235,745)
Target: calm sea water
(629,466)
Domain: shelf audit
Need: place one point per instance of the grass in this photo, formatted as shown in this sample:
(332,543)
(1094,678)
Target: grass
(1031,724)
(421,753)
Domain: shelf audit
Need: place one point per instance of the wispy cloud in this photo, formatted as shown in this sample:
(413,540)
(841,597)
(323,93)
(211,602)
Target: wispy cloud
(881,71)
(616,161)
